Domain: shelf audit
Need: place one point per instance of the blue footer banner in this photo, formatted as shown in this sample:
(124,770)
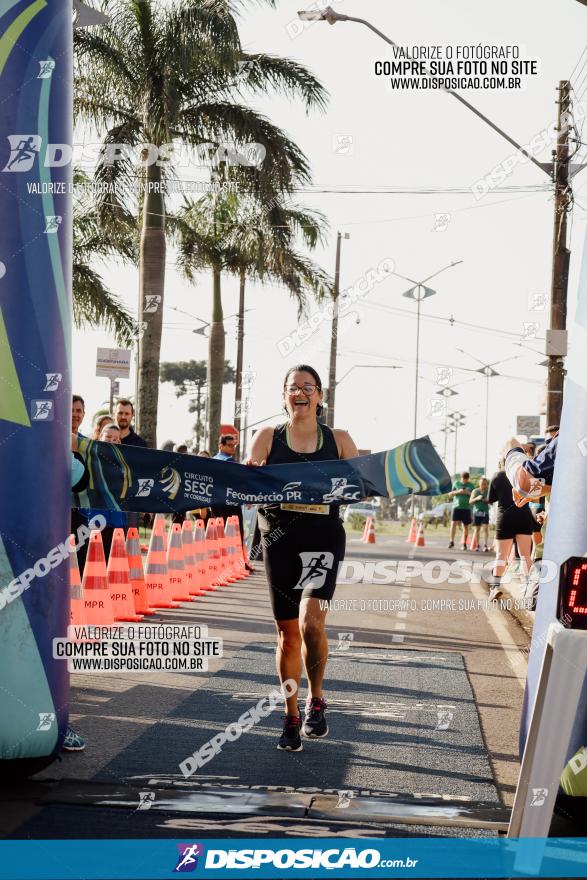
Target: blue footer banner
(305,858)
(137,479)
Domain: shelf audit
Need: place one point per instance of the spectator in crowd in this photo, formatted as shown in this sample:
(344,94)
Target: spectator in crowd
(181,449)
(124,412)
(226,452)
(168,446)
(481,512)
(115,519)
(551,432)
(78,411)
(72,741)
(99,422)
(110,433)
(204,453)
(461,509)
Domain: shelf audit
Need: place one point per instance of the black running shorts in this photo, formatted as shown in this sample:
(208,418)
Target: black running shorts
(514,521)
(480,519)
(302,555)
(462,515)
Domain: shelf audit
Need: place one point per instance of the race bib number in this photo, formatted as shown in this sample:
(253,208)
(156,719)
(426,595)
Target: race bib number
(306,508)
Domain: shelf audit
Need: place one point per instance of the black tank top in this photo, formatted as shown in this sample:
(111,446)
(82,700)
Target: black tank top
(281,453)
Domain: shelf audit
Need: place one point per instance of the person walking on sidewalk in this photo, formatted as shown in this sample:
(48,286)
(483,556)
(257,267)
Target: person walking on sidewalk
(461,508)
(481,513)
(302,564)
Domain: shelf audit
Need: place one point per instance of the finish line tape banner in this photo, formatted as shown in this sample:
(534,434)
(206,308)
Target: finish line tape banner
(132,478)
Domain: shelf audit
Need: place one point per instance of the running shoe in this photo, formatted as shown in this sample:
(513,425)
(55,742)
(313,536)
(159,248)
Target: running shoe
(290,740)
(451,545)
(486,549)
(495,593)
(315,725)
(464,547)
(73,742)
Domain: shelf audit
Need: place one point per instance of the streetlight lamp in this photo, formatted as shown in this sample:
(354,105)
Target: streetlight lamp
(419,293)
(334,334)
(489,373)
(458,421)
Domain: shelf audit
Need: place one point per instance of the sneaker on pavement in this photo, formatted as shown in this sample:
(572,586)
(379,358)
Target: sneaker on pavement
(314,719)
(290,740)
(463,547)
(495,593)
(73,742)
(451,545)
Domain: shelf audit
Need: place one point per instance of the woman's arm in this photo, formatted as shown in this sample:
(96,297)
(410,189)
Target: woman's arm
(345,444)
(261,446)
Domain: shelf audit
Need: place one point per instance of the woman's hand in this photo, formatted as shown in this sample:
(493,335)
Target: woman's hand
(250,463)
(74,442)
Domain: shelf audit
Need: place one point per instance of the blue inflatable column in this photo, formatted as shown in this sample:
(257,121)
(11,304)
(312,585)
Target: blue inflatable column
(35,385)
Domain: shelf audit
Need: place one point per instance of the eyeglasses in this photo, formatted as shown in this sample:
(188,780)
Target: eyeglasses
(307,388)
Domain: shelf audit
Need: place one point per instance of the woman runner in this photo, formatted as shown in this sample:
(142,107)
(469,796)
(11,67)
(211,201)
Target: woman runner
(302,558)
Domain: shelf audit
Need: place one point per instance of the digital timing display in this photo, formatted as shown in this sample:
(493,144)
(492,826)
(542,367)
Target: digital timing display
(572,595)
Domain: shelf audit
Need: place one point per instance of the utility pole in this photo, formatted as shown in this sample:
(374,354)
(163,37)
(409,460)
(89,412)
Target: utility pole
(556,343)
(334,335)
(239,359)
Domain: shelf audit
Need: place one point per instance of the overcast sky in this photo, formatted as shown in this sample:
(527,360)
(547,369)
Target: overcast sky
(371,143)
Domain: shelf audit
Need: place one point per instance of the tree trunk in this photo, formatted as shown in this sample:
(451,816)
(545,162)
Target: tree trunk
(239,360)
(151,290)
(215,365)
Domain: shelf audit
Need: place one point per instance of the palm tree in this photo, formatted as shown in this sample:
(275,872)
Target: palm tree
(266,237)
(93,303)
(166,74)
(228,233)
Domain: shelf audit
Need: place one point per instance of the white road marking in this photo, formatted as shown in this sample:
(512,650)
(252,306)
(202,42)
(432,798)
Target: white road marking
(401,625)
(402,613)
(516,659)
(396,637)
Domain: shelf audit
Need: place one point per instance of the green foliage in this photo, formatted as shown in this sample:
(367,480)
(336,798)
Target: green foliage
(191,373)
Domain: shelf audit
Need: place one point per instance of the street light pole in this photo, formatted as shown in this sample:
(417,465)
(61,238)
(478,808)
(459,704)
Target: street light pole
(334,334)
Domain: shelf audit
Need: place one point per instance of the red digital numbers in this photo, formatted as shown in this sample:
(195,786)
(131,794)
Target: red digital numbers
(576,602)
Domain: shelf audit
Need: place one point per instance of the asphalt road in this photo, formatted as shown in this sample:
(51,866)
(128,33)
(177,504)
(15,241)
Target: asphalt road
(425,700)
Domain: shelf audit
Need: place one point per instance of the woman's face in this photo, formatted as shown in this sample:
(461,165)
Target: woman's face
(301,395)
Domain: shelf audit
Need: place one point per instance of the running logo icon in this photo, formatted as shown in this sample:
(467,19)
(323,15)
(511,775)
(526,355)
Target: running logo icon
(46,720)
(42,410)
(23,150)
(53,380)
(539,796)
(188,856)
(145,487)
(315,567)
(341,490)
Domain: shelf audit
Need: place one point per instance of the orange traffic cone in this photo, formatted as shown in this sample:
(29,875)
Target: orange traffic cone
(234,549)
(227,574)
(201,568)
(136,573)
(156,574)
(370,537)
(189,564)
(411,539)
(365,531)
(77,613)
(97,601)
(119,580)
(420,537)
(213,558)
(175,565)
(474,542)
